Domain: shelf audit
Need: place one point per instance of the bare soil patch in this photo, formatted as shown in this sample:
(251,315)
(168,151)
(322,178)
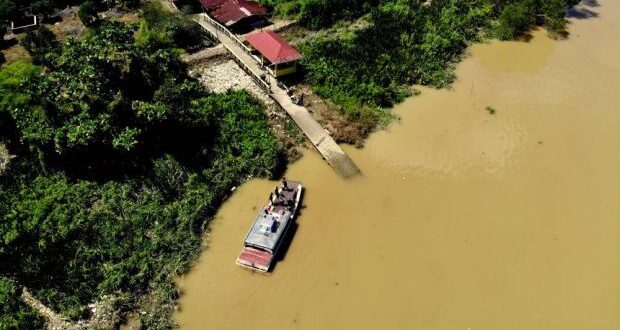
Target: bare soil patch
(69,26)
(331,118)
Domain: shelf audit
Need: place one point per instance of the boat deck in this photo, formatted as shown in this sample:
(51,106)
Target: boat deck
(255,258)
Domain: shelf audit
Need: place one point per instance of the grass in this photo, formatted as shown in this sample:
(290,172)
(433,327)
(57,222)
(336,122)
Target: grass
(69,26)
(16,53)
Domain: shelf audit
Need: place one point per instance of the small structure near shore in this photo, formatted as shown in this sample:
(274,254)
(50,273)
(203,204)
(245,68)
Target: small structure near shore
(23,24)
(274,53)
(237,15)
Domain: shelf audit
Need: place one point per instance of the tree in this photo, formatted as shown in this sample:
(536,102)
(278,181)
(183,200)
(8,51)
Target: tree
(42,45)
(88,13)
(14,314)
(516,18)
(554,13)
(161,27)
(7,9)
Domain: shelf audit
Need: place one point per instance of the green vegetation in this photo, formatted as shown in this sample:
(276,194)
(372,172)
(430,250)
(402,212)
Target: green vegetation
(42,45)
(317,14)
(491,109)
(14,314)
(120,161)
(517,17)
(88,13)
(165,28)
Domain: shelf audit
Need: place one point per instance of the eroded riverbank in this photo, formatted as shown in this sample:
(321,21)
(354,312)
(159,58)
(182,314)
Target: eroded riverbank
(462,219)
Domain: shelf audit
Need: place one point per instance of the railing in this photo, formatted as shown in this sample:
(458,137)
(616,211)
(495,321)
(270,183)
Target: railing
(219,27)
(258,79)
(222,28)
(22,27)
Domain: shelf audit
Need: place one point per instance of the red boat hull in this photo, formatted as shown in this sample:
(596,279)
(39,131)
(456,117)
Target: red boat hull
(255,259)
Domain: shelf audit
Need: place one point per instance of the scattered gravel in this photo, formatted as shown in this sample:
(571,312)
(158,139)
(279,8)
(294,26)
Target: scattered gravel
(220,77)
(104,314)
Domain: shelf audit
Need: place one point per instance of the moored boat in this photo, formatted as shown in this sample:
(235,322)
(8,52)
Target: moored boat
(271,226)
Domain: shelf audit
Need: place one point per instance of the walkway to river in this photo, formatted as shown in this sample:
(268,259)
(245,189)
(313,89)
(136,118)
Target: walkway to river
(323,142)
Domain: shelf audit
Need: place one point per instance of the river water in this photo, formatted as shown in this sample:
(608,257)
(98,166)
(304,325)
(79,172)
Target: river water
(462,219)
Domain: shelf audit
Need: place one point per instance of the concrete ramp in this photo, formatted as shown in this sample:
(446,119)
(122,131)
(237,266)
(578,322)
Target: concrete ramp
(322,141)
(337,158)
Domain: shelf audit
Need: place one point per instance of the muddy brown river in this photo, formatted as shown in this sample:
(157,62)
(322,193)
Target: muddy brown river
(462,219)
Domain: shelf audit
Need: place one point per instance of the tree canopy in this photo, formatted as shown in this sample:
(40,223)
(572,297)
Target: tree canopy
(120,161)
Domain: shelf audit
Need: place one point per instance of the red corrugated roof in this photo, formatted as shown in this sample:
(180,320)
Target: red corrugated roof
(210,4)
(273,47)
(229,12)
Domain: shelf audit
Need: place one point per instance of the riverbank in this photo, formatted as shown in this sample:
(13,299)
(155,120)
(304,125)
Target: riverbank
(364,56)
(462,219)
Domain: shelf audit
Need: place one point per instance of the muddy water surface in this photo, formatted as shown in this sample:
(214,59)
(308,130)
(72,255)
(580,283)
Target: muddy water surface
(463,219)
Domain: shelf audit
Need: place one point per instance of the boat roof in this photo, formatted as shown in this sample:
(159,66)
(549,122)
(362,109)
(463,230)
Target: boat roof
(268,228)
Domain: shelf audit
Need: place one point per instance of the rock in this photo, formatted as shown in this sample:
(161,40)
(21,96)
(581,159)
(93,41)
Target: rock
(228,75)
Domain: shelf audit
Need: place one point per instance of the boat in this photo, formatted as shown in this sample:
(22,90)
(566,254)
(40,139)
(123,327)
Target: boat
(272,223)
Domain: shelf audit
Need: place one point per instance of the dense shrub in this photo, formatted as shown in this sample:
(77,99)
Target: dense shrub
(316,14)
(42,45)
(122,159)
(88,13)
(516,18)
(13,313)
(7,8)
(161,27)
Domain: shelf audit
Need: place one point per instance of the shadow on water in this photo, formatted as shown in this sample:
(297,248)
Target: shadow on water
(288,238)
(590,3)
(286,244)
(526,37)
(282,251)
(583,11)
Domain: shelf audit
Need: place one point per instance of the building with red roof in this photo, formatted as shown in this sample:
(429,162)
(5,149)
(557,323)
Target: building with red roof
(275,53)
(236,14)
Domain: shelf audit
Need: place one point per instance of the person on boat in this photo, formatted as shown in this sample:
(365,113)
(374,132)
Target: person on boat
(284,183)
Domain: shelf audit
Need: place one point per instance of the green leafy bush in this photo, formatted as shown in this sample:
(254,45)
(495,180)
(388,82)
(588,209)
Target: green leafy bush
(13,313)
(42,45)
(516,18)
(317,14)
(88,13)
(160,27)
